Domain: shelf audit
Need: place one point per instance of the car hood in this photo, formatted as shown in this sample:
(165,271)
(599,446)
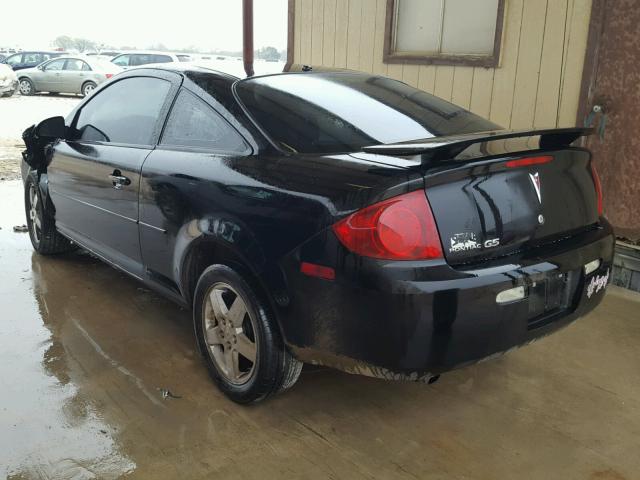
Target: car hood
(27,71)
(6,72)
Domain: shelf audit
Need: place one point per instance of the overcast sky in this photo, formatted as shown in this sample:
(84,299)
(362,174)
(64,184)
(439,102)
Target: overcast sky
(208,25)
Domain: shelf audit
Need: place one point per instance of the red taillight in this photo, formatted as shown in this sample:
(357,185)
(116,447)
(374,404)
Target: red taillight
(108,75)
(400,228)
(598,185)
(525,162)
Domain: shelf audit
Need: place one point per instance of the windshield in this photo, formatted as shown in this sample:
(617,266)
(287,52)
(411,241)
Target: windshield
(343,112)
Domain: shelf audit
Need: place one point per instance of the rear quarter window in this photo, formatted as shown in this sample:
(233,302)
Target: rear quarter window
(193,123)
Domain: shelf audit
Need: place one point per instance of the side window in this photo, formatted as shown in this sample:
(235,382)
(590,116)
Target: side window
(193,123)
(75,64)
(122,60)
(125,112)
(14,59)
(160,58)
(31,58)
(139,59)
(45,56)
(54,65)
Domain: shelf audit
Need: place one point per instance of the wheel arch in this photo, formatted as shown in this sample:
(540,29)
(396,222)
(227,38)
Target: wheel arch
(85,83)
(201,253)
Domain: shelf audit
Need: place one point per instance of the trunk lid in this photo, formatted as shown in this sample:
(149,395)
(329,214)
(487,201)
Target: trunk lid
(492,208)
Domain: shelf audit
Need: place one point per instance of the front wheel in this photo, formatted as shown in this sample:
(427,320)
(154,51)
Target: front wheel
(87,88)
(42,229)
(239,339)
(26,87)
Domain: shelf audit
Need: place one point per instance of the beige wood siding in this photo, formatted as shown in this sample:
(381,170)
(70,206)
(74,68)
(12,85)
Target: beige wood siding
(536,85)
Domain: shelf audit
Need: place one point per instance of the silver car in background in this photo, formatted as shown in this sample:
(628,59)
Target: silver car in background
(69,74)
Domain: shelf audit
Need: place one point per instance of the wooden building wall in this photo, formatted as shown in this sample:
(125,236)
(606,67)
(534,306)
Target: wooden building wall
(536,85)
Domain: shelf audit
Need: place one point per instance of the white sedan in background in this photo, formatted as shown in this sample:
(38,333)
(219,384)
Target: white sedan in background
(66,75)
(8,81)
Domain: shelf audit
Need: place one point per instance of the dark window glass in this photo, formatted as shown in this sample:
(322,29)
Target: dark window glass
(75,64)
(32,58)
(193,123)
(138,59)
(14,59)
(159,59)
(54,65)
(343,112)
(122,60)
(125,112)
(184,58)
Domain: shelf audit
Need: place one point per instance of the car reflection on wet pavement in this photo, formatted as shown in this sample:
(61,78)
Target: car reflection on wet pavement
(88,358)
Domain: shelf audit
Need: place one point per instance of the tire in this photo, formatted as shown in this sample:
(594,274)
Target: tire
(26,87)
(42,229)
(220,324)
(88,87)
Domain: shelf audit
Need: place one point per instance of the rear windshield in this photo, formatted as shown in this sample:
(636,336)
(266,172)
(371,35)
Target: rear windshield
(343,112)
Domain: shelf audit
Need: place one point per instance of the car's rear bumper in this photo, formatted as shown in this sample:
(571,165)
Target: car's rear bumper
(412,320)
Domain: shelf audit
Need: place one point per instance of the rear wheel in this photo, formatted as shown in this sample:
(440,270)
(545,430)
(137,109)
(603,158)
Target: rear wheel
(239,339)
(26,87)
(87,88)
(42,230)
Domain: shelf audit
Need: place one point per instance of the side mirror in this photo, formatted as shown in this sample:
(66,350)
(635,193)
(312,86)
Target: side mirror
(40,67)
(53,128)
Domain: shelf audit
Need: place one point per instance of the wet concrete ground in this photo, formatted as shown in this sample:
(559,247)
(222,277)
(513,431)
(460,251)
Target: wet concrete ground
(84,351)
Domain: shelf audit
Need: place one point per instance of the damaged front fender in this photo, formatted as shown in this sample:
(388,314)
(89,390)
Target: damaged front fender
(38,139)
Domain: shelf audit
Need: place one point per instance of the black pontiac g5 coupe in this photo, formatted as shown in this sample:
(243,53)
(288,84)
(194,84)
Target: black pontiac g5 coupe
(338,218)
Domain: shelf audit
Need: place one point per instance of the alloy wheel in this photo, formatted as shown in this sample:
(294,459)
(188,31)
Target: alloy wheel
(25,87)
(230,333)
(34,214)
(88,88)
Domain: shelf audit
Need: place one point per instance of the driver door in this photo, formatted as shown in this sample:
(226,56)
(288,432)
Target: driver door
(94,175)
(48,79)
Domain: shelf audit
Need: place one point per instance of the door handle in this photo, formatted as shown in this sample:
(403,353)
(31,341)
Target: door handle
(118,180)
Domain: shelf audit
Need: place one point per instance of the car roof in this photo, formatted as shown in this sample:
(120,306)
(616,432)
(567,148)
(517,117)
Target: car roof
(42,51)
(185,68)
(91,59)
(146,52)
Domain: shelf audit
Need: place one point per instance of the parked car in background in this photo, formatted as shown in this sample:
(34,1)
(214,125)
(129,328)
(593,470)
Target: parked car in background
(184,58)
(8,81)
(66,75)
(2,57)
(342,219)
(104,53)
(135,59)
(22,60)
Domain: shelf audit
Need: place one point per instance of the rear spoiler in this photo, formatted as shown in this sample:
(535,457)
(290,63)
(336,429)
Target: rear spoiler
(443,148)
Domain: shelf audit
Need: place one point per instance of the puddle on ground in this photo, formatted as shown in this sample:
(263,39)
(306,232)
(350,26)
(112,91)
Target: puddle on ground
(49,428)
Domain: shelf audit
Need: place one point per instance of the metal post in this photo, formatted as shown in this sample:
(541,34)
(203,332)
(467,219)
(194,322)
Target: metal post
(247,36)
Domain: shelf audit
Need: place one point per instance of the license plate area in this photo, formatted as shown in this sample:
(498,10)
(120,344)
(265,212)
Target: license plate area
(550,296)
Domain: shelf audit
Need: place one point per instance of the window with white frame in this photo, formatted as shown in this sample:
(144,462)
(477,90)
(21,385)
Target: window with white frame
(444,31)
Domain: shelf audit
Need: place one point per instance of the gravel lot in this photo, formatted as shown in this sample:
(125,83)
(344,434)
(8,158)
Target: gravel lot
(16,114)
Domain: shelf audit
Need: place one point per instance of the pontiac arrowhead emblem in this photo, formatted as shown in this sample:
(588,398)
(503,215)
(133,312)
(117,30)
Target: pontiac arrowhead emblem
(535,180)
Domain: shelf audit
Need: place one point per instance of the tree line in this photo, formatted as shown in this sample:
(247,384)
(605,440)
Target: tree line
(82,45)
